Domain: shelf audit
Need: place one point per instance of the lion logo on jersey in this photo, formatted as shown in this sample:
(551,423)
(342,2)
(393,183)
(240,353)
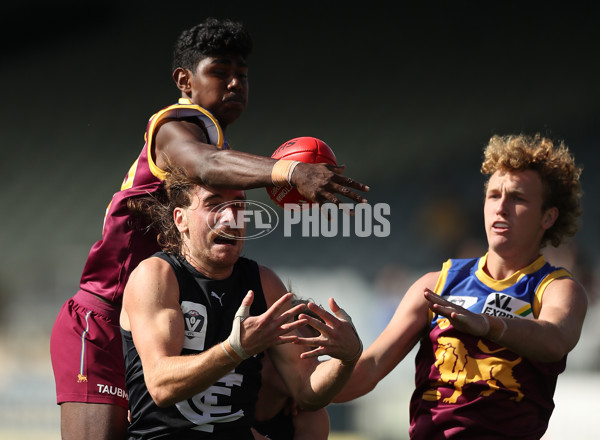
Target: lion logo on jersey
(459,368)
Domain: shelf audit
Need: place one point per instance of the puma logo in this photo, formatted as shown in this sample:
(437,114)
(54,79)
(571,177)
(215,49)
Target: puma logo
(220,298)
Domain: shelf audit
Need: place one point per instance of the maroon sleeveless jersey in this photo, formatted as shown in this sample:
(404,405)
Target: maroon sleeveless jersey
(469,387)
(123,245)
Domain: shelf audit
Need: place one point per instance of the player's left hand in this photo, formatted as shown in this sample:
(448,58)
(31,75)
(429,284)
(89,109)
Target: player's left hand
(462,319)
(338,337)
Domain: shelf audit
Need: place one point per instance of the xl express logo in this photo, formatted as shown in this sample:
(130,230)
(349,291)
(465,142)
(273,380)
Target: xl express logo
(328,220)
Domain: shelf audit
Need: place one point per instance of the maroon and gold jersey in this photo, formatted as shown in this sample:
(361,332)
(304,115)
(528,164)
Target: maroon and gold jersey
(468,387)
(124,243)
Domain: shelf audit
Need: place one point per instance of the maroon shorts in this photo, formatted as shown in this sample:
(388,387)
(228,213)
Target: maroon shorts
(86,351)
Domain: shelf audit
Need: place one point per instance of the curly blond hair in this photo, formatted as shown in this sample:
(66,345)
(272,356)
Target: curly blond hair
(555,165)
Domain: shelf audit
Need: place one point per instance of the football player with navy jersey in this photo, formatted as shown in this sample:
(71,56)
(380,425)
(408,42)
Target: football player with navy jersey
(493,332)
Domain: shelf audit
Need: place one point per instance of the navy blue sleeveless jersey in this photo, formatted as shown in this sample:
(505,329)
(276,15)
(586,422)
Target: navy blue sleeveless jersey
(225,410)
(469,387)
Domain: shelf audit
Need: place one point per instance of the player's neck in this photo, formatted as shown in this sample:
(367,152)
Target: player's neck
(500,267)
(208,270)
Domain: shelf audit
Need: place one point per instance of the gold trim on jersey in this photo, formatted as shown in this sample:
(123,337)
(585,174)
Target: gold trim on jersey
(128,182)
(184,103)
(441,282)
(539,292)
(500,285)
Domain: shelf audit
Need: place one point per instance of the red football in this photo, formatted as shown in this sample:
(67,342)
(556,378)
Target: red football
(304,149)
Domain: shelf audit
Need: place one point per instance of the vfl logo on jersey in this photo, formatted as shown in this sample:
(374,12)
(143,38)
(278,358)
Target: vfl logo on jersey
(503,305)
(194,318)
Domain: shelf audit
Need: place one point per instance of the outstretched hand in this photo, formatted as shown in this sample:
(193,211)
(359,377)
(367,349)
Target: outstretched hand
(321,182)
(338,337)
(257,333)
(462,319)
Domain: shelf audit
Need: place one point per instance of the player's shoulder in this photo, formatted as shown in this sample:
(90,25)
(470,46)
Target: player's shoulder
(268,275)
(567,284)
(152,281)
(155,261)
(180,128)
(428,280)
(151,268)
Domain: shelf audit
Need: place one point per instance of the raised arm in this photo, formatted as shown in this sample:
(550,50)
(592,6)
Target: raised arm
(404,330)
(313,384)
(152,313)
(550,337)
(184,144)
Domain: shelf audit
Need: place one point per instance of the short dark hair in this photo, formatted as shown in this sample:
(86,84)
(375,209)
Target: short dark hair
(209,38)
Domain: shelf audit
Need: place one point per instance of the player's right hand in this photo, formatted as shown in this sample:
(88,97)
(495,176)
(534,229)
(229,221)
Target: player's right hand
(462,319)
(321,182)
(258,333)
(338,337)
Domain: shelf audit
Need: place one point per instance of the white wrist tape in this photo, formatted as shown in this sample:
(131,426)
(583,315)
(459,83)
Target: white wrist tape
(235,337)
(227,353)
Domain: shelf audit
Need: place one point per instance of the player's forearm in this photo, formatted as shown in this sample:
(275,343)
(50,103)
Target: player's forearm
(324,384)
(172,379)
(234,169)
(360,383)
(536,340)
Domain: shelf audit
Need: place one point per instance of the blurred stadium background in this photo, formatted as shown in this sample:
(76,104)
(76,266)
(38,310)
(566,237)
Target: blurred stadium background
(407,97)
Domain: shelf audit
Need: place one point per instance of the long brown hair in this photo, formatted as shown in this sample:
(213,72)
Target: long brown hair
(157,209)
